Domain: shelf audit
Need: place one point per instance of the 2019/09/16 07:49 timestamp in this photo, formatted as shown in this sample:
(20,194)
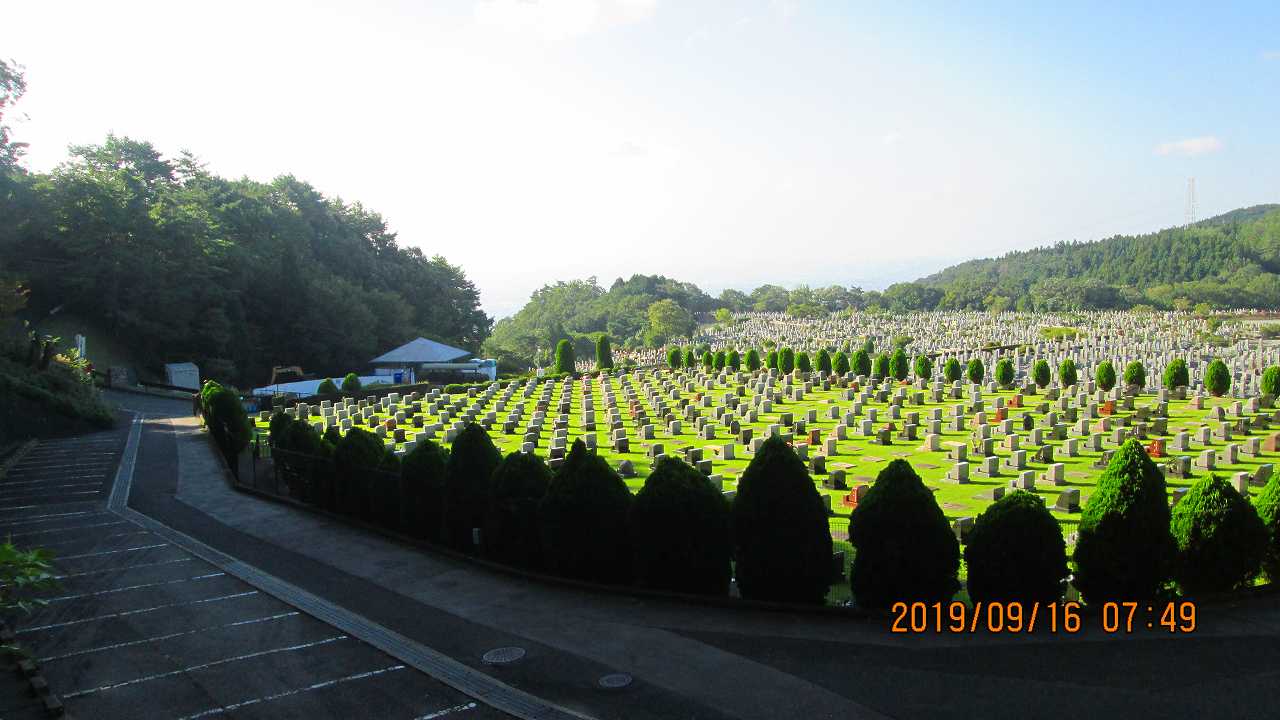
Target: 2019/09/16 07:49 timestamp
(1016,617)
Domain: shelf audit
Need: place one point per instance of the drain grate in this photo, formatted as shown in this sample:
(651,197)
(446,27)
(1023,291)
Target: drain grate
(614,681)
(503,655)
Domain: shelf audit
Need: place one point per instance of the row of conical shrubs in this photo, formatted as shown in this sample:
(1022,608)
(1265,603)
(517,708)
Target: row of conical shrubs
(679,533)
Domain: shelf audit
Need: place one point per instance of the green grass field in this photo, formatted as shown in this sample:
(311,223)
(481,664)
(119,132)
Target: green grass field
(859,456)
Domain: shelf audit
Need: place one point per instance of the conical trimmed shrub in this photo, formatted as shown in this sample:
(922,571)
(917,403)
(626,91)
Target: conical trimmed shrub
(1041,373)
(472,460)
(1015,552)
(1217,378)
(1268,505)
(1176,374)
(975,371)
(681,531)
(1125,550)
(951,370)
(511,526)
(422,486)
(1221,540)
(584,520)
(904,550)
(780,529)
(355,459)
(1004,372)
(1067,374)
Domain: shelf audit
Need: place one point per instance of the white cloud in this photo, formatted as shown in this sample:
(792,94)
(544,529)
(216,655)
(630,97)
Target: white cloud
(1190,146)
(560,19)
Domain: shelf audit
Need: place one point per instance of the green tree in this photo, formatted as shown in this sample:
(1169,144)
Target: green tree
(1004,372)
(1015,552)
(904,549)
(673,358)
(708,360)
(734,360)
(1176,374)
(1041,373)
(753,360)
(1135,374)
(1221,539)
(721,359)
(899,365)
(724,316)
(861,362)
(1269,510)
(841,363)
(823,361)
(771,360)
(604,353)
(780,529)
(667,320)
(351,383)
(880,369)
(951,371)
(1271,381)
(566,362)
(1105,375)
(1217,378)
(355,461)
(422,495)
(327,387)
(681,531)
(1067,373)
(974,371)
(803,363)
(1124,549)
(690,359)
(786,360)
(468,478)
(584,520)
(511,524)
(924,367)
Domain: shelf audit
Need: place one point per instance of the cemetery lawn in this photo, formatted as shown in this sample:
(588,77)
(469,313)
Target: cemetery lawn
(859,456)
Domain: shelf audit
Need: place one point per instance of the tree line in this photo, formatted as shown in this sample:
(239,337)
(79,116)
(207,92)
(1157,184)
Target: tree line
(234,274)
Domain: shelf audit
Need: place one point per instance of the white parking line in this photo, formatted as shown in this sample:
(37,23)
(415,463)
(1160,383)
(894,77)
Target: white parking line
(47,490)
(125,613)
(7,508)
(46,518)
(7,485)
(62,529)
(90,538)
(296,691)
(203,666)
(122,568)
(134,587)
(112,552)
(158,638)
(448,711)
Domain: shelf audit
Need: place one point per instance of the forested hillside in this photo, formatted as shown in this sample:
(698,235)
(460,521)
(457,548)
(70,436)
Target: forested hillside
(236,275)
(1228,261)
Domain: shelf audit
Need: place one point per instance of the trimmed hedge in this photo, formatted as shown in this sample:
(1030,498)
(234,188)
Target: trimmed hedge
(924,367)
(1269,510)
(351,383)
(899,365)
(1217,378)
(1176,374)
(1041,373)
(951,370)
(904,550)
(1124,549)
(840,364)
(583,520)
(565,360)
(783,544)
(1105,375)
(1004,372)
(511,525)
(1135,373)
(681,532)
(327,387)
(472,460)
(354,459)
(422,483)
(1015,552)
(1067,374)
(974,371)
(1221,540)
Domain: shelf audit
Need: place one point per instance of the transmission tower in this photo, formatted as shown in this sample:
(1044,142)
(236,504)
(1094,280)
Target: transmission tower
(1191,201)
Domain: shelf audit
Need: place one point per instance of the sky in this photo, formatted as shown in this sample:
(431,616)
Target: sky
(729,144)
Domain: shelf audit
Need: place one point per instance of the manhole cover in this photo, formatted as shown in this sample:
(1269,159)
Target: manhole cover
(615,680)
(503,655)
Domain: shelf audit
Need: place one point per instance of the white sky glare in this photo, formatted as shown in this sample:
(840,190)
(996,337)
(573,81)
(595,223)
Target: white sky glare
(727,144)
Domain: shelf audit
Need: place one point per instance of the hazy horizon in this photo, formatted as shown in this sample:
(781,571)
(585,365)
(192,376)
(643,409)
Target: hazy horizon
(725,144)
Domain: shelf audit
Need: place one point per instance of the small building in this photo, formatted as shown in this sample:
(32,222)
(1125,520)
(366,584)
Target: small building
(422,359)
